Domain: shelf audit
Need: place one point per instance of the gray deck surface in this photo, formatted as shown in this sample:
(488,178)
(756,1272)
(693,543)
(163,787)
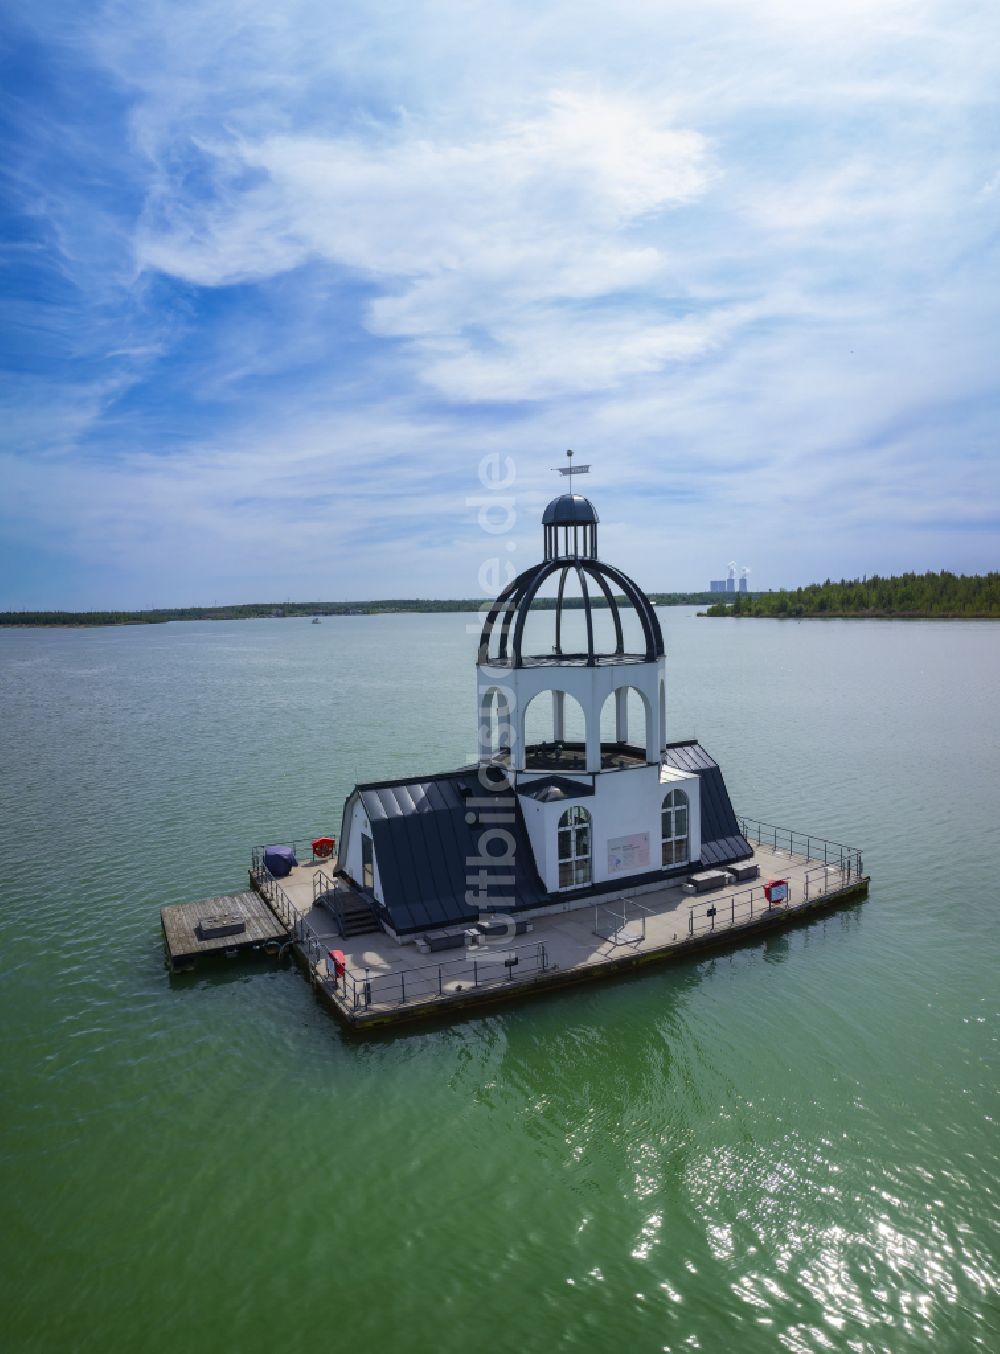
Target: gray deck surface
(568,937)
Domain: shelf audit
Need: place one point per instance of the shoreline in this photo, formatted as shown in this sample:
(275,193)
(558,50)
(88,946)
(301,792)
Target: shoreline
(851,616)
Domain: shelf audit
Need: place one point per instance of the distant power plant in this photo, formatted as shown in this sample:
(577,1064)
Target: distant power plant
(729,583)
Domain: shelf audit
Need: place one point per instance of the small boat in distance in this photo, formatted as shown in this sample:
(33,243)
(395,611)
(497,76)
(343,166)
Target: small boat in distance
(315,620)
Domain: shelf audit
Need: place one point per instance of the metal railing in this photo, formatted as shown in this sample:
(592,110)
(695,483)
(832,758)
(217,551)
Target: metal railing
(314,947)
(302,846)
(281,904)
(618,927)
(474,971)
(322,883)
(805,844)
(737,909)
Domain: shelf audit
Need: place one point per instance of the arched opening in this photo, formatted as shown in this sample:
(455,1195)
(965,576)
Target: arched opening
(497,731)
(625,718)
(675,828)
(575,845)
(555,733)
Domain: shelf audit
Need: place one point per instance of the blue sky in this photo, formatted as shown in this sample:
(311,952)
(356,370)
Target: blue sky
(277,277)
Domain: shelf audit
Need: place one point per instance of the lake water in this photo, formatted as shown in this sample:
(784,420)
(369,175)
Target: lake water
(789,1146)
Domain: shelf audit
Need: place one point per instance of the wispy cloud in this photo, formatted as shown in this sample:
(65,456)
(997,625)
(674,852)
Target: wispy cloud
(281,276)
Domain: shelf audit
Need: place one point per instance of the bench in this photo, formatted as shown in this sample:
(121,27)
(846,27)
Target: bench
(743,872)
(443,940)
(708,880)
(499,927)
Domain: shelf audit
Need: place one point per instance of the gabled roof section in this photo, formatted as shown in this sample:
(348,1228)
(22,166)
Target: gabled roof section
(721,840)
(430,836)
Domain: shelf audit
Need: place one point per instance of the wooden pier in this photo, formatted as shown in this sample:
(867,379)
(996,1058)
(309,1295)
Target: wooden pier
(225,925)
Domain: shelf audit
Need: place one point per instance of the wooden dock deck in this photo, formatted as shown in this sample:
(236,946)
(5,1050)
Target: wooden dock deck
(227,924)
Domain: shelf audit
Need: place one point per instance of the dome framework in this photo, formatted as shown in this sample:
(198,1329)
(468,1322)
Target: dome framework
(511,609)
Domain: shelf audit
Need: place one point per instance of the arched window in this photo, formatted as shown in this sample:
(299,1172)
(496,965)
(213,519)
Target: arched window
(674,828)
(574,847)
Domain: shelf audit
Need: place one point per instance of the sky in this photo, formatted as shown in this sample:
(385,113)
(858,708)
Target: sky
(283,283)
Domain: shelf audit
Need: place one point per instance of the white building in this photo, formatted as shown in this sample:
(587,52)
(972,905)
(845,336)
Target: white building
(551,816)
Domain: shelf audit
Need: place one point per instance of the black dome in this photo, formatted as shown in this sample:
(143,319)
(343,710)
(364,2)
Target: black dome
(570,510)
(511,610)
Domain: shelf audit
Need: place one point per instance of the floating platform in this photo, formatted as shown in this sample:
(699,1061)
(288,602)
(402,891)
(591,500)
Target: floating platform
(386,982)
(225,925)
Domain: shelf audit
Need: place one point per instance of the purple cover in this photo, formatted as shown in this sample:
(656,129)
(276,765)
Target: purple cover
(279,860)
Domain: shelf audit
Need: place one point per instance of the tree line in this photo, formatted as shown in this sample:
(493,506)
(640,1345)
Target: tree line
(261,610)
(945,595)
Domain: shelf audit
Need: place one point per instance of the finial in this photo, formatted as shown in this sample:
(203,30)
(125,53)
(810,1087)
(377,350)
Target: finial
(570,469)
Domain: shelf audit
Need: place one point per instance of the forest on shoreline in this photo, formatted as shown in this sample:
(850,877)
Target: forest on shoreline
(907,596)
(268,610)
(941,596)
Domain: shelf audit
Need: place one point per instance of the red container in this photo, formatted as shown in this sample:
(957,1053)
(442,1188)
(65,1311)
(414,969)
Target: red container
(339,962)
(323,847)
(776,891)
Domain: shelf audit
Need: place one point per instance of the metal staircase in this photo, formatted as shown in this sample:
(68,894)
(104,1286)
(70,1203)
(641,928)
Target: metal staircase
(353,912)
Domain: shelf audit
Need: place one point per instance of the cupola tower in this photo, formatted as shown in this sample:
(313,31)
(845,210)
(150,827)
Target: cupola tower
(586,658)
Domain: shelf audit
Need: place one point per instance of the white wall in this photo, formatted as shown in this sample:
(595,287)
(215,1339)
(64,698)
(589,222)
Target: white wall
(625,804)
(591,686)
(543,841)
(359,824)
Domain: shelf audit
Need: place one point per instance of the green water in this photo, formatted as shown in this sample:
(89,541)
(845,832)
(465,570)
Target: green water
(790,1146)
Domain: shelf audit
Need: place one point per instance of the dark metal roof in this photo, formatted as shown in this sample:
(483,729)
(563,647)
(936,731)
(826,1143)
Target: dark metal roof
(548,788)
(570,510)
(423,842)
(721,842)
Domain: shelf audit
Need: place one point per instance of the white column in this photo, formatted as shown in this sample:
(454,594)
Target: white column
(485,727)
(517,723)
(652,733)
(593,727)
(559,716)
(621,714)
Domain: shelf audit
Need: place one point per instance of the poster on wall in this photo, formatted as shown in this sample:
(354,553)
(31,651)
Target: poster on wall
(626,854)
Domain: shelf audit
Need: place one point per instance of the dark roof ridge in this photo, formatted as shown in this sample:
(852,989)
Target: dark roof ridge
(471,770)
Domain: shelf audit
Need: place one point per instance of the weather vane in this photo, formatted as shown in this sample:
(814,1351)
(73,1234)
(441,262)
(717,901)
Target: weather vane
(570,469)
